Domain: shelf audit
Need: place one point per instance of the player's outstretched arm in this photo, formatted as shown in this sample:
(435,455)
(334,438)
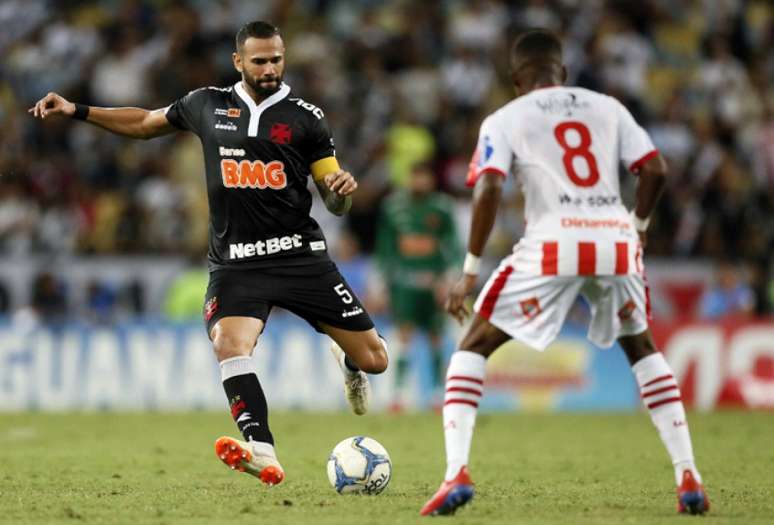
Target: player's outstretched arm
(652,179)
(130,122)
(486,200)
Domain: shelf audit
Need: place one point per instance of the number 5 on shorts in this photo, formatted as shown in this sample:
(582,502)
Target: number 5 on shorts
(346,297)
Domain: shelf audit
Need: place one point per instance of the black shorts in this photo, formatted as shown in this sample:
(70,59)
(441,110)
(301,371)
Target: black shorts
(317,293)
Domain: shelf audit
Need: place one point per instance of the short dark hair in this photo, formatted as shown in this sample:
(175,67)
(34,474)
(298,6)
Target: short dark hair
(536,47)
(257,29)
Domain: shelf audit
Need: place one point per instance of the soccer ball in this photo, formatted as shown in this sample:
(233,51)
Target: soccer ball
(359,465)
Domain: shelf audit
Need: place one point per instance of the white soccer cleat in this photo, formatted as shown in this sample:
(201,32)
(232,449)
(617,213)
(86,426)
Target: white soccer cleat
(258,461)
(357,388)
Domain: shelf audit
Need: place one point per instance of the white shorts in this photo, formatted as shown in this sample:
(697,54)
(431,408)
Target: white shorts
(532,308)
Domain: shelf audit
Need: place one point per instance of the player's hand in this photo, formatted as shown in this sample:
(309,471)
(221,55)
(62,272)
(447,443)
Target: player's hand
(455,303)
(52,104)
(643,239)
(341,182)
(441,292)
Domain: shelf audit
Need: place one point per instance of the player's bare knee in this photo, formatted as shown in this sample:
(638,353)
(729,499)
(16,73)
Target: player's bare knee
(378,359)
(227,345)
(478,343)
(375,358)
(375,366)
(477,349)
(637,347)
(380,362)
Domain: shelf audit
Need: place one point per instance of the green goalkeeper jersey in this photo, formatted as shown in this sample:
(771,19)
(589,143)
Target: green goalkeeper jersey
(417,239)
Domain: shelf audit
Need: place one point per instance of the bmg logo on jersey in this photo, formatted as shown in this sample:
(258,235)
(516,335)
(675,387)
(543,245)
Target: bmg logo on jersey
(256,174)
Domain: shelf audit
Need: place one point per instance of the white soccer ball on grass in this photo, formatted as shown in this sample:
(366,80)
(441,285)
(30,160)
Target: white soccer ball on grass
(359,464)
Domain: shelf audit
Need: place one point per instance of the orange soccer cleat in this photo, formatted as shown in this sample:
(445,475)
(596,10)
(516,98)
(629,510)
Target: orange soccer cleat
(691,497)
(240,455)
(451,496)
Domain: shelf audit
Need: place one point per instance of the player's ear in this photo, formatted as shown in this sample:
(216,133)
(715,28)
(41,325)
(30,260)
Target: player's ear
(515,80)
(237,59)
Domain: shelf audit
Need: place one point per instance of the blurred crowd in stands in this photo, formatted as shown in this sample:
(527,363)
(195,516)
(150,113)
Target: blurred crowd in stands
(401,82)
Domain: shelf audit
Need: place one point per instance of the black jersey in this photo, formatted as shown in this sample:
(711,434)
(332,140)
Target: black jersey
(257,162)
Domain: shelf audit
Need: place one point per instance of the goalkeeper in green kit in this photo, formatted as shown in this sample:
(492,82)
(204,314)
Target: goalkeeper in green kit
(416,245)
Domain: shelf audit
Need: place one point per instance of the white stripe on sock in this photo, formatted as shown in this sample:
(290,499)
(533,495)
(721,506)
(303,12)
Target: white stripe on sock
(660,395)
(236,366)
(451,397)
(466,371)
(457,382)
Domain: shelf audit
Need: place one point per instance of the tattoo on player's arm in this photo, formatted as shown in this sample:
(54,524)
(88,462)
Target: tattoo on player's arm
(336,204)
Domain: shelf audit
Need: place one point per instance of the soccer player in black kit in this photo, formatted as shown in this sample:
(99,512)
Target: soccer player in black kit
(260,142)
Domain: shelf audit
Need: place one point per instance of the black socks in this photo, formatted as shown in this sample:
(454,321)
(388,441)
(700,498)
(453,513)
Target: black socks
(246,399)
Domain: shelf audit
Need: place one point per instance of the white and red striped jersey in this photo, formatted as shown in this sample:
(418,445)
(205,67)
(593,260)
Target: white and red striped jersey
(565,144)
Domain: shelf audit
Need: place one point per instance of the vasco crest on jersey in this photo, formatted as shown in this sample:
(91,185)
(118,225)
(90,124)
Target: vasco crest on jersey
(281,133)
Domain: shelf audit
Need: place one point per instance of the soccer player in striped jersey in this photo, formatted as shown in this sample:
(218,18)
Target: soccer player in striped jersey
(564,144)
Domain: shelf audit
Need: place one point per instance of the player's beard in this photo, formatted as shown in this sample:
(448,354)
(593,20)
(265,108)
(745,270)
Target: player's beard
(263,90)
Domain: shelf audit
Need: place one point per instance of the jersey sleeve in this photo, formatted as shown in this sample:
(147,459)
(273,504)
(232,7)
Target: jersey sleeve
(319,143)
(636,147)
(186,112)
(493,153)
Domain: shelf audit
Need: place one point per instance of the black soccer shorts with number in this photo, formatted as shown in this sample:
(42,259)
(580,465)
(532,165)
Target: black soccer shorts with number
(317,293)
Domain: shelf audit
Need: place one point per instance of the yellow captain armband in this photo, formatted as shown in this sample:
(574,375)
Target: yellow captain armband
(323,167)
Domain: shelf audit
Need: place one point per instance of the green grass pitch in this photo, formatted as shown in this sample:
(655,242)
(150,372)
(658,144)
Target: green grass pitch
(563,469)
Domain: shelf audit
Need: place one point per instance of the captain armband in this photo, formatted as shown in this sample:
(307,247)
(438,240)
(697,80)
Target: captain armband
(323,167)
